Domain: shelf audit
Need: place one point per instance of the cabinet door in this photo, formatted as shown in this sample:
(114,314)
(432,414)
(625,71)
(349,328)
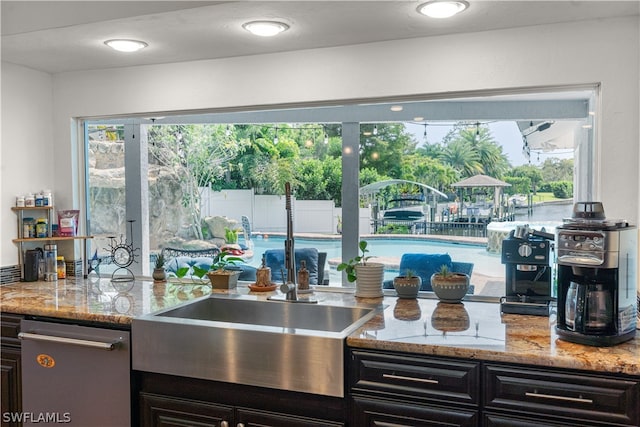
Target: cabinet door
(10,386)
(165,411)
(373,412)
(250,417)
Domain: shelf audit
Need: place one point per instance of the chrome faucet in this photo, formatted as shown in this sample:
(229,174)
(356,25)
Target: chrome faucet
(290,291)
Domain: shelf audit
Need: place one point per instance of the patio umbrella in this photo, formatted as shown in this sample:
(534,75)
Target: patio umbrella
(484,181)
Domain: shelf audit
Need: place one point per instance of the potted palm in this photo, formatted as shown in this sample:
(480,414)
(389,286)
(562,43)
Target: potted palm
(367,275)
(407,285)
(218,274)
(449,286)
(159,273)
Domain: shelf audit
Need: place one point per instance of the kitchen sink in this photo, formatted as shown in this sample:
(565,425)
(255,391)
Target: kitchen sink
(245,340)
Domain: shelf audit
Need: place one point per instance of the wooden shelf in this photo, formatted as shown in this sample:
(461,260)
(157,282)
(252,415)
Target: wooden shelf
(49,210)
(31,208)
(50,239)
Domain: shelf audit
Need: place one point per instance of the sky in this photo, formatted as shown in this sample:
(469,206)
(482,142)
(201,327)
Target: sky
(505,133)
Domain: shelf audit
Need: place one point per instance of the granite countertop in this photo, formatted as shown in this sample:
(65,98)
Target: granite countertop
(472,330)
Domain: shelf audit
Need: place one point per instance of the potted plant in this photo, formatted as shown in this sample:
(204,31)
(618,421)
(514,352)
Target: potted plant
(449,286)
(159,273)
(407,286)
(367,275)
(218,274)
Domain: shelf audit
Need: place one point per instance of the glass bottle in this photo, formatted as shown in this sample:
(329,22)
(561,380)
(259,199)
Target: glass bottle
(50,263)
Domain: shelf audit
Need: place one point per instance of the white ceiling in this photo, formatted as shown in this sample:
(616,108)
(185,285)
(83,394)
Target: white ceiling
(60,36)
(63,36)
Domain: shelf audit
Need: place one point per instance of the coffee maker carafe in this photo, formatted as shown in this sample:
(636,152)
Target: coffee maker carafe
(589,307)
(596,260)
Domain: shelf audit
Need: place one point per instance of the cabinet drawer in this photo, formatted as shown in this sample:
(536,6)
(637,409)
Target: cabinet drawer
(415,377)
(380,412)
(574,395)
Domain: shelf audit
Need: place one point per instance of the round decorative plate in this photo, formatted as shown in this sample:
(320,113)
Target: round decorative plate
(256,288)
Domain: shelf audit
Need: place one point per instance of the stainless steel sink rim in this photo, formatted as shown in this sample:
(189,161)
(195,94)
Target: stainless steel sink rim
(295,359)
(175,315)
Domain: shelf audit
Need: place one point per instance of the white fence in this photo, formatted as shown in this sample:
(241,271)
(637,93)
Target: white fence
(268,213)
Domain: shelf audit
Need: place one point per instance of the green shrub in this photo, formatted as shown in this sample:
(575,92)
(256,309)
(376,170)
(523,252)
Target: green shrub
(393,229)
(562,189)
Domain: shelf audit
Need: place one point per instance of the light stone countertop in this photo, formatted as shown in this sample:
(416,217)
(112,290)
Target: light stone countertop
(471,330)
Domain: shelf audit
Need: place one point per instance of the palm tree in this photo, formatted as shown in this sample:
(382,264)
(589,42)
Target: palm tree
(462,156)
(493,160)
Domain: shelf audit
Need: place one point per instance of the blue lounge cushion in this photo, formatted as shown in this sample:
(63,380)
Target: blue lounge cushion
(274,259)
(424,266)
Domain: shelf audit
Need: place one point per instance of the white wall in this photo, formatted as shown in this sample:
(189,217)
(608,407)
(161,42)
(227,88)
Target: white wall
(26,159)
(602,51)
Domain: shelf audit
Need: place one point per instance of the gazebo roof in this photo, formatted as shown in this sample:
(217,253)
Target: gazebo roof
(480,181)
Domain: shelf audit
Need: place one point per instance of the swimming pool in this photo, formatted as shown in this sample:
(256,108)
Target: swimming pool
(485,263)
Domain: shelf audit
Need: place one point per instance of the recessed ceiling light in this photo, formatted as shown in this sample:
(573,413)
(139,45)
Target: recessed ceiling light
(265,28)
(442,8)
(396,108)
(418,119)
(124,45)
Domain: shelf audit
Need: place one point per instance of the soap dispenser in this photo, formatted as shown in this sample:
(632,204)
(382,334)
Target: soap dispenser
(303,277)
(263,274)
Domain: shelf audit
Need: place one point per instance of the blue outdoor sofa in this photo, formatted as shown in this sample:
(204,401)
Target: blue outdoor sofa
(424,265)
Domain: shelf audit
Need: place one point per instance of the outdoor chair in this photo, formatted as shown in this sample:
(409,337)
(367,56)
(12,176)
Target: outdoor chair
(315,261)
(425,265)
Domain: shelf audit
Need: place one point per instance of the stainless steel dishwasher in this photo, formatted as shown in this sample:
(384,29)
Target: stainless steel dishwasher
(76,375)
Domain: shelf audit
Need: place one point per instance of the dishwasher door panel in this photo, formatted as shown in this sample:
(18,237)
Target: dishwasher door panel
(75,374)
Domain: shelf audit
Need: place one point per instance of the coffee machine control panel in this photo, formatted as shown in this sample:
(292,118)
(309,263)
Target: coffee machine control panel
(582,240)
(592,248)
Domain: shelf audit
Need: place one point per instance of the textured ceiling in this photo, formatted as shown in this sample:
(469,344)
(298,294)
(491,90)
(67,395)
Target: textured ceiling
(59,36)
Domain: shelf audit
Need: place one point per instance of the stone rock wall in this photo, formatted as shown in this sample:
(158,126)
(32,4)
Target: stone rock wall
(168,219)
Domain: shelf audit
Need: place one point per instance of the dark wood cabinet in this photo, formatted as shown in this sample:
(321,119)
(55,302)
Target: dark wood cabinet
(412,390)
(559,397)
(400,413)
(166,400)
(167,411)
(11,368)
(400,389)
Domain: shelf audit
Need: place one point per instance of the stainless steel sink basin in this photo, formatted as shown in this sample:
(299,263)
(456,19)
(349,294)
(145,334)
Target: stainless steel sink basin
(244,340)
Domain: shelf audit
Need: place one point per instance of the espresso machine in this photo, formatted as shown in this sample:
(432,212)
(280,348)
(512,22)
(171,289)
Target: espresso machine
(597,277)
(526,254)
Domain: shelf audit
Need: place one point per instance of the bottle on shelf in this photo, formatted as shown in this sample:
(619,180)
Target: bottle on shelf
(28,228)
(30,200)
(42,228)
(20,201)
(48,198)
(39,200)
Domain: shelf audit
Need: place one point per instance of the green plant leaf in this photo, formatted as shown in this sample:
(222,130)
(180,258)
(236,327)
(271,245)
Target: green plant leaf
(199,272)
(181,272)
